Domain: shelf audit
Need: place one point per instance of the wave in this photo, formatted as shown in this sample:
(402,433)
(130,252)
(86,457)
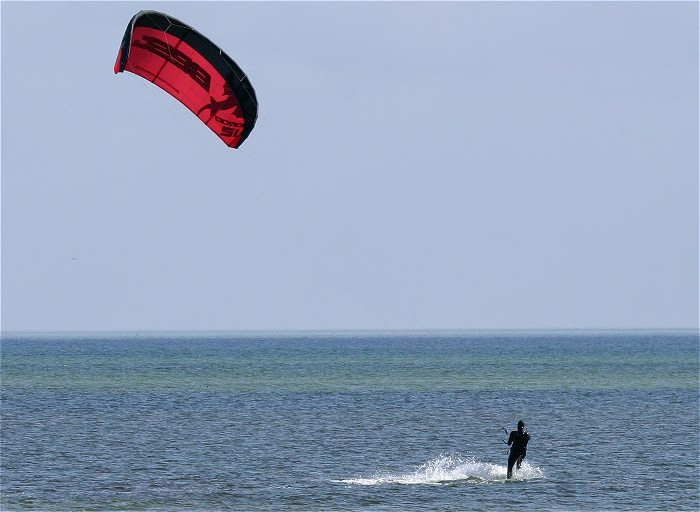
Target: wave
(447,469)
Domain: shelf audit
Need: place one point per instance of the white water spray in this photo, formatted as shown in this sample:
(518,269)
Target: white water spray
(447,469)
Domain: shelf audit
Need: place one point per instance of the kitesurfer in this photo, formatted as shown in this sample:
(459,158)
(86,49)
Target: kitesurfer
(518,447)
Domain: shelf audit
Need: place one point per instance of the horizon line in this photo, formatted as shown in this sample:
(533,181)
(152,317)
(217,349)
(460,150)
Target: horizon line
(220,332)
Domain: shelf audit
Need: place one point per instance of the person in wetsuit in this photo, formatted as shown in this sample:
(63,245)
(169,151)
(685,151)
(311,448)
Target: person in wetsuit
(518,447)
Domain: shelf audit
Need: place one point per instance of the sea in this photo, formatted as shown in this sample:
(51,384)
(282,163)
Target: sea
(349,421)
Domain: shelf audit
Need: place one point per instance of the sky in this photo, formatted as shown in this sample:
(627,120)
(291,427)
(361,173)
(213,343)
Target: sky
(415,166)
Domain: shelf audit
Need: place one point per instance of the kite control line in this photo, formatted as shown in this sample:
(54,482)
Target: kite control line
(503,440)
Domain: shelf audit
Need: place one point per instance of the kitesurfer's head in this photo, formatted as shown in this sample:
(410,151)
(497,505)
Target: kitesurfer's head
(521,425)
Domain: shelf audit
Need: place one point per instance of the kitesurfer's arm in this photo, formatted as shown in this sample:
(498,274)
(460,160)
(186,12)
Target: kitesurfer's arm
(510,438)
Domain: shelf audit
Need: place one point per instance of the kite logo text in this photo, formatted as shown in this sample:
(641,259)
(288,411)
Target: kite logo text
(176,58)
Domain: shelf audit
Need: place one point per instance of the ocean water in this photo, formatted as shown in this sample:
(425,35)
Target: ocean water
(349,421)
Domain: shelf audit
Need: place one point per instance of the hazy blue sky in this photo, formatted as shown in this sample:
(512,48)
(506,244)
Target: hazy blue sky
(415,166)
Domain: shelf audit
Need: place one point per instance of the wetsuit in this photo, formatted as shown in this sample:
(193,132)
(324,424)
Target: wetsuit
(518,447)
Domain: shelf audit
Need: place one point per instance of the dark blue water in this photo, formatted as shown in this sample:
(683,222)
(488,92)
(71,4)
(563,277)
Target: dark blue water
(349,421)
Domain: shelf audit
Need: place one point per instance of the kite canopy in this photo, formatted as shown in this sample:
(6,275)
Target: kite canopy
(184,63)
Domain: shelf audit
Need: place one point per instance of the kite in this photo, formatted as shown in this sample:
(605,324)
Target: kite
(187,65)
